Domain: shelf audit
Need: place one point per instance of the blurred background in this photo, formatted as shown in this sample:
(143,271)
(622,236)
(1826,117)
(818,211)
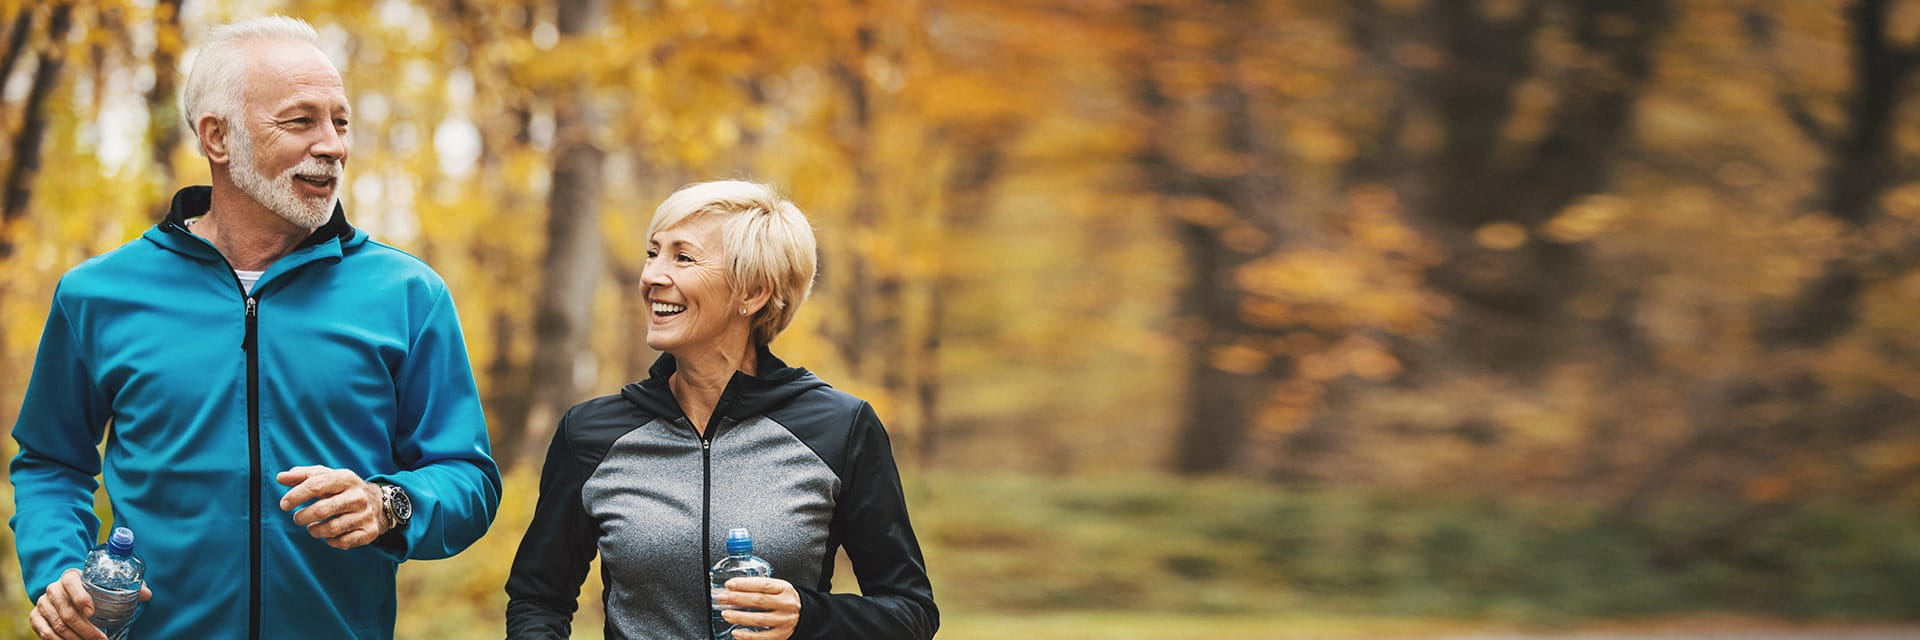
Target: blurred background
(1270,318)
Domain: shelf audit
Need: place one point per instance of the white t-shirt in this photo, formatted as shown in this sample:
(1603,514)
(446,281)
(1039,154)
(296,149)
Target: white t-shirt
(247,278)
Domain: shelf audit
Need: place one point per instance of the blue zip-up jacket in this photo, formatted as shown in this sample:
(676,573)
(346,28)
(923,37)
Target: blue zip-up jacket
(347,354)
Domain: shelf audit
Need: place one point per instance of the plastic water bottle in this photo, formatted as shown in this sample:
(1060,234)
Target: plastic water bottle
(113,577)
(739,563)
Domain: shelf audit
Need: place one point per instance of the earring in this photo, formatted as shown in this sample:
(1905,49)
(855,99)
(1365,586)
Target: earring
(744,311)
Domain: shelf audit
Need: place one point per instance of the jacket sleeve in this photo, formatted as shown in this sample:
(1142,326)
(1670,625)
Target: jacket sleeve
(543,589)
(61,422)
(440,442)
(870,520)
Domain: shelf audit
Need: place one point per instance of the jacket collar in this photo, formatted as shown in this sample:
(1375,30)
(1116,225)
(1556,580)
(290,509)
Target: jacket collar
(745,395)
(194,201)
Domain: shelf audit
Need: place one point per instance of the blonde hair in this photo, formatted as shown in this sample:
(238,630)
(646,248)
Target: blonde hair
(767,240)
(217,82)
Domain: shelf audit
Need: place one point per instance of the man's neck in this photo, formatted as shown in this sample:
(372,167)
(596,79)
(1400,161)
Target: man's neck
(250,236)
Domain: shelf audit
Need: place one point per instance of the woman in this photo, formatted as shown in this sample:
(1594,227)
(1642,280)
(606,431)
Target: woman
(722,434)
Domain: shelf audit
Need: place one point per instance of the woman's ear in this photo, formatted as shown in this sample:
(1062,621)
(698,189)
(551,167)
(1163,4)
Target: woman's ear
(756,301)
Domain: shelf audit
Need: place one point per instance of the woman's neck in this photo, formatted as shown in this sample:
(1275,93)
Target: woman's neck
(697,382)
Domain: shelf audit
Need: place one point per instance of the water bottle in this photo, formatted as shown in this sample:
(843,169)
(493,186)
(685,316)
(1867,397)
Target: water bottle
(739,563)
(113,577)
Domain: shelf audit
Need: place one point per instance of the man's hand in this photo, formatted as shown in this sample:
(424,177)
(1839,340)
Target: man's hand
(63,609)
(345,511)
(778,602)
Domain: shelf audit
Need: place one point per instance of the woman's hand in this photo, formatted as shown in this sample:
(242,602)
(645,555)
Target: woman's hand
(778,602)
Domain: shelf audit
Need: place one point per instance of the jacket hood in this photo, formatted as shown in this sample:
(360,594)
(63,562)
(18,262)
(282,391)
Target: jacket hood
(194,201)
(744,396)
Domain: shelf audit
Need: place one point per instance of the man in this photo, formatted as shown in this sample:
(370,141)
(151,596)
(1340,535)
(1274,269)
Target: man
(292,410)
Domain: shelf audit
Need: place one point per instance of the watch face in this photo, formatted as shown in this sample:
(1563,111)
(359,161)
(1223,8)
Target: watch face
(400,504)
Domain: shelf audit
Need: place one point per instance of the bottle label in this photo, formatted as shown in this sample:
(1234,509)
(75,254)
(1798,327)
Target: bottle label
(113,609)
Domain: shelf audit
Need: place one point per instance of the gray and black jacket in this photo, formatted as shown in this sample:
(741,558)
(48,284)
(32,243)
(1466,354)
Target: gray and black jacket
(805,467)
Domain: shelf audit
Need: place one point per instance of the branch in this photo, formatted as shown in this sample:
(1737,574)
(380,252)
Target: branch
(1760,35)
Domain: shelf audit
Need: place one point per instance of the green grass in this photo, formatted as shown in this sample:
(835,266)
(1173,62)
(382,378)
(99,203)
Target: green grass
(1014,545)
(1162,626)
(1164,558)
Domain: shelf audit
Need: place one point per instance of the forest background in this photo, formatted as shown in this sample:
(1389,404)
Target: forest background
(1279,318)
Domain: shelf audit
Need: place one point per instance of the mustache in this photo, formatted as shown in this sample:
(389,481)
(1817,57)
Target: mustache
(316,167)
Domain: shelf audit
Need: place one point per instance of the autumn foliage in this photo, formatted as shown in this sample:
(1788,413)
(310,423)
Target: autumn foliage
(1633,253)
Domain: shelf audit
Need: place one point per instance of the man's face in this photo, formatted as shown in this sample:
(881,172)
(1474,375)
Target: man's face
(289,148)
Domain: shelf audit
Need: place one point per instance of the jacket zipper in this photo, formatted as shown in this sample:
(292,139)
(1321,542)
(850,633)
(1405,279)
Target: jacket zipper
(252,345)
(714,425)
(706,516)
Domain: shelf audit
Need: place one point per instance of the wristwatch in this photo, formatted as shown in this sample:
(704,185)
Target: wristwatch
(399,505)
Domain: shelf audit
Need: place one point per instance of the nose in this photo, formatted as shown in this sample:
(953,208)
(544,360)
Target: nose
(652,277)
(332,145)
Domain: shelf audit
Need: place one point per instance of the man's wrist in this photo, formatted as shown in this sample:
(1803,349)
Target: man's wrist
(396,505)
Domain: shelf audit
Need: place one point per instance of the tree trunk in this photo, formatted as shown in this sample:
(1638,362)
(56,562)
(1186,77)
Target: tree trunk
(874,342)
(1511,316)
(33,128)
(502,117)
(1862,164)
(860,296)
(163,105)
(1221,397)
(570,273)
(969,192)
(22,27)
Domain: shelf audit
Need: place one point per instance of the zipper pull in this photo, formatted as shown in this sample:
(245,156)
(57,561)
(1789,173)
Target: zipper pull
(247,343)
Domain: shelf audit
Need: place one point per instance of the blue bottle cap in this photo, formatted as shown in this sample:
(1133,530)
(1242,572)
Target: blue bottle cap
(121,542)
(739,541)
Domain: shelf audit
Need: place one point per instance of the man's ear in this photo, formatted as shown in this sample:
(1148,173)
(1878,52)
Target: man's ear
(213,137)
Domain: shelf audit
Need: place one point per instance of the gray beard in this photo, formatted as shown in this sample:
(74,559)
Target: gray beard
(277,193)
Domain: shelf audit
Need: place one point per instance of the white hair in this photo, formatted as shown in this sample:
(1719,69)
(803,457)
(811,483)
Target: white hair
(217,82)
(765,239)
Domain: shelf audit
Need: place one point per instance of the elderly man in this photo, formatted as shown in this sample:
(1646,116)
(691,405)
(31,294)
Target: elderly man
(287,405)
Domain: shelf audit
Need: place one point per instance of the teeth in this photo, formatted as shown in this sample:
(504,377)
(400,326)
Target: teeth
(662,307)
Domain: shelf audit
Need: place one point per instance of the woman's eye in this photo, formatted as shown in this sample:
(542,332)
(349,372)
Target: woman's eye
(684,258)
(653,253)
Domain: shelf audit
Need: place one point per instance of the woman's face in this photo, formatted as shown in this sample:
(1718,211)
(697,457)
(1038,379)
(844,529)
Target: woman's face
(691,307)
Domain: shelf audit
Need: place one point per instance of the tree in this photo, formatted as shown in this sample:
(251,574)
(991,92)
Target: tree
(1223,209)
(164,118)
(574,260)
(1509,159)
(52,56)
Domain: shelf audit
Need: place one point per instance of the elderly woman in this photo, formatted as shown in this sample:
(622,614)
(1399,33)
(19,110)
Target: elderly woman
(722,434)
